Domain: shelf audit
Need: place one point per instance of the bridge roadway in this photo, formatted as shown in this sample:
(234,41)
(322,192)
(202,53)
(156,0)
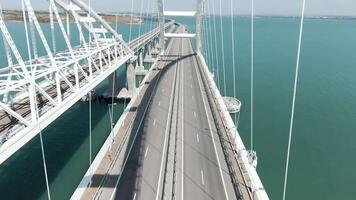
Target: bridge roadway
(177,152)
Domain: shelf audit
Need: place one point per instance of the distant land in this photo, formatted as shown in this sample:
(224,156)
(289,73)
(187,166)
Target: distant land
(294,16)
(43,17)
(311,16)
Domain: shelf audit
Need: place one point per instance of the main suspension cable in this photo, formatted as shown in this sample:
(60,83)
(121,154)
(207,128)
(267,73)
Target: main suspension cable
(294,97)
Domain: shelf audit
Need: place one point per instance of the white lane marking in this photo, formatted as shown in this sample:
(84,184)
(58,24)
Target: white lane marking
(146,151)
(166,135)
(154,122)
(202,176)
(191,86)
(195,114)
(162,90)
(134,197)
(198,137)
(193,97)
(210,129)
(136,133)
(182,89)
(159,103)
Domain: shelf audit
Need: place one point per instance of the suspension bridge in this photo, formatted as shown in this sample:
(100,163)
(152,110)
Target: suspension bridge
(175,139)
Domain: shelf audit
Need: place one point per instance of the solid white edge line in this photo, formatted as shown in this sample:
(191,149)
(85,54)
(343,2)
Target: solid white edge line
(182,89)
(166,135)
(146,151)
(134,139)
(210,129)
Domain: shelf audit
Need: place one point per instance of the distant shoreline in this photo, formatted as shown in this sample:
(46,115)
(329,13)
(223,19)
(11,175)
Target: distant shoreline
(125,18)
(43,17)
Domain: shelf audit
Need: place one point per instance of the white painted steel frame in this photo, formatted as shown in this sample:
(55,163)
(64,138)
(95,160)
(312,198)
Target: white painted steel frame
(179,35)
(179,13)
(199,23)
(24,80)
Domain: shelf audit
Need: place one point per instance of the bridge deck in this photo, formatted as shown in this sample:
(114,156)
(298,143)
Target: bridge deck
(176,149)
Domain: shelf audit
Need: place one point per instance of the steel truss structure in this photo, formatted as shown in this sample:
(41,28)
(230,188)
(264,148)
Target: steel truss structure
(34,93)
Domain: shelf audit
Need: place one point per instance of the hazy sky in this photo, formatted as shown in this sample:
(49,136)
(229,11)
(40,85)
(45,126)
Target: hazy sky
(262,7)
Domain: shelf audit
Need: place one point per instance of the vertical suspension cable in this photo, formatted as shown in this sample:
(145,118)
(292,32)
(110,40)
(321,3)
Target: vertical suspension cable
(112,106)
(90,132)
(131,20)
(52,28)
(294,97)
(152,15)
(252,71)
(233,55)
(67,21)
(35,98)
(142,21)
(33,38)
(222,47)
(207,41)
(26,32)
(116,22)
(42,150)
(90,114)
(216,47)
(148,6)
(211,40)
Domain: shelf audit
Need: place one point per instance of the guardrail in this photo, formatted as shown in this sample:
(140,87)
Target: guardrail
(250,176)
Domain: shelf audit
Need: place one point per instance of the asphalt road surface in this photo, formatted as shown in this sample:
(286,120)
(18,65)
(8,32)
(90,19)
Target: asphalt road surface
(177,153)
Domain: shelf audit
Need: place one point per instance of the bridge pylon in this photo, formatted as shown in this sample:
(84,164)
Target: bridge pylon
(199,24)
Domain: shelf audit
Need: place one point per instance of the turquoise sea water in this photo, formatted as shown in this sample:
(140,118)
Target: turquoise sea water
(322,155)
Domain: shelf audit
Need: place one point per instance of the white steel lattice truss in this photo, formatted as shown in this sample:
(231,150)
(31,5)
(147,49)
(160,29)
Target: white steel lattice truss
(34,93)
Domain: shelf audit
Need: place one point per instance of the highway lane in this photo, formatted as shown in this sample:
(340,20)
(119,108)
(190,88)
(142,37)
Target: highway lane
(143,171)
(203,167)
(200,169)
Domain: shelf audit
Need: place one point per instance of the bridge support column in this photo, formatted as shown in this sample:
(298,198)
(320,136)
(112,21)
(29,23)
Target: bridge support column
(140,68)
(131,78)
(148,57)
(127,93)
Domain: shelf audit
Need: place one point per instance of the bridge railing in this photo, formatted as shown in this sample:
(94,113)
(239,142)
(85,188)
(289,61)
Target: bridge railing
(250,177)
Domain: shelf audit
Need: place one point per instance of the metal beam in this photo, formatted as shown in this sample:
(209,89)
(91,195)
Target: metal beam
(14,114)
(180,35)
(179,13)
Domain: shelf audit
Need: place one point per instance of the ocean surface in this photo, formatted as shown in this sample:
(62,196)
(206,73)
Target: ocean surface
(322,164)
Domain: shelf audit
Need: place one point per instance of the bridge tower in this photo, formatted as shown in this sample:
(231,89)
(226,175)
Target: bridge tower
(199,27)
